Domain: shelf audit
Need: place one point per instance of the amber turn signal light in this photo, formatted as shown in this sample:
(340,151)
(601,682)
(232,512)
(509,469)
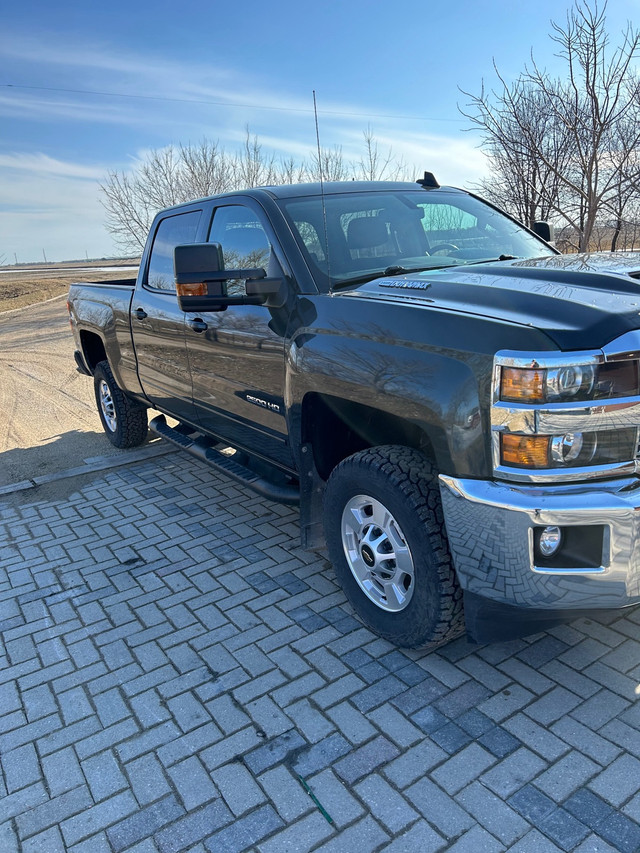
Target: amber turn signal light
(525,451)
(522,384)
(196,289)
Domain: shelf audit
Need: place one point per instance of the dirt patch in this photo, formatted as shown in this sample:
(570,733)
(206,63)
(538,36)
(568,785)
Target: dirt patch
(49,421)
(20,287)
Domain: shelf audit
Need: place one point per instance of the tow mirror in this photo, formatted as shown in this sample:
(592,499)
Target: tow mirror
(201,281)
(544,230)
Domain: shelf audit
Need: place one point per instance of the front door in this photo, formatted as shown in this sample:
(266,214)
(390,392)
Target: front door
(236,359)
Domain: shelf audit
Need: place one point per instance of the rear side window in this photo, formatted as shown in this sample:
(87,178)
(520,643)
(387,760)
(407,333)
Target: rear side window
(172,232)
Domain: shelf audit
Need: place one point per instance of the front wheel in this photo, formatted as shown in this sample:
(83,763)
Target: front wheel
(123,420)
(385,534)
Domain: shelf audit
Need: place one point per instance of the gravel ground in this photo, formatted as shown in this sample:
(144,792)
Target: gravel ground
(24,286)
(48,416)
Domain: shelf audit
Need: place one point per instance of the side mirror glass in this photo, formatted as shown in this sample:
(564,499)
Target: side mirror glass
(201,279)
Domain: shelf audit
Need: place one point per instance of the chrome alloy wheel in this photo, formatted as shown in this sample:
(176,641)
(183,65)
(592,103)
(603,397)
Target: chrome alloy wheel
(107,406)
(377,553)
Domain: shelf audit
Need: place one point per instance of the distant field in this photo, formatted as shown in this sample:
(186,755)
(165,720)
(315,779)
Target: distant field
(25,285)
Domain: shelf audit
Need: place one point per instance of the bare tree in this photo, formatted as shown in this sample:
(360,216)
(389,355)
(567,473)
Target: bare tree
(172,175)
(377,166)
(206,169)
(167,176)
(128,212)
(251,166)
(523,183)
(327,164)
(291,172)
(570,143)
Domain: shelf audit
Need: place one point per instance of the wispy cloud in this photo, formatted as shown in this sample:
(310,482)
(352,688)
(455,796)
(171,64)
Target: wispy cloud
(143,77)
(122,102)
(24,104)
(41,164)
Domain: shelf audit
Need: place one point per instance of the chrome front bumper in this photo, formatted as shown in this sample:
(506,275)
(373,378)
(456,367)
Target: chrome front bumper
(491,528)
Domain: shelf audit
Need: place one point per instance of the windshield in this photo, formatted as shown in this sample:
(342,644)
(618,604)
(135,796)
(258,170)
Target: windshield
(373,232)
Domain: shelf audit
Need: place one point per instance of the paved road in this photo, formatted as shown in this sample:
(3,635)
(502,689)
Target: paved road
(177,675)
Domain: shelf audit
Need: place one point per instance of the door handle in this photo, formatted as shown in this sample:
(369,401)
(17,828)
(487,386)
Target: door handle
(140,313)
(198,325)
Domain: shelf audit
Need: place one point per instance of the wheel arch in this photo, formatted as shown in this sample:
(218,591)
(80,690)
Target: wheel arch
(335,428)
(93,349)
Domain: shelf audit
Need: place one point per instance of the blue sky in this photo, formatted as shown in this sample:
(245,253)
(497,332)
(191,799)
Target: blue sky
(176,72)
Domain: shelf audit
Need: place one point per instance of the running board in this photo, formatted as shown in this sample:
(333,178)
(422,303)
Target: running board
(201,449)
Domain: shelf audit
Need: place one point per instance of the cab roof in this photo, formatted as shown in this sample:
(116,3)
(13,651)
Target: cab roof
(335,187)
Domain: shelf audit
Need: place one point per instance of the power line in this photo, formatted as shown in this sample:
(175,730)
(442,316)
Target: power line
(222,103)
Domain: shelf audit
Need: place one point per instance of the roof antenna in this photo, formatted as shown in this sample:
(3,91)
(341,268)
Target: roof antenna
(429,181)
(324,207)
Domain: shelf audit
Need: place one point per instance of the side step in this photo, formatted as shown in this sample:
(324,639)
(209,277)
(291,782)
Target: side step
(199,447)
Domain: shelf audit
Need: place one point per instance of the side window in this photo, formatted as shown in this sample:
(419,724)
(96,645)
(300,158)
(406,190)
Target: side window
(245,244)
(172,232)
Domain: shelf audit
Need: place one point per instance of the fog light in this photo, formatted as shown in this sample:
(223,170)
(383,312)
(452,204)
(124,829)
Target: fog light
(550,540)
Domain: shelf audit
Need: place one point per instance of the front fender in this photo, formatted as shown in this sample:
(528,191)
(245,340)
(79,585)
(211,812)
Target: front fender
(435,391)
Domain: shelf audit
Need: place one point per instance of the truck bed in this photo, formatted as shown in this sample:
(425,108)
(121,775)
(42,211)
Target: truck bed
(116,282)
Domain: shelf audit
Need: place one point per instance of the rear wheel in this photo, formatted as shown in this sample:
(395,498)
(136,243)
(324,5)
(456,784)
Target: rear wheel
(123,419)
(385,534)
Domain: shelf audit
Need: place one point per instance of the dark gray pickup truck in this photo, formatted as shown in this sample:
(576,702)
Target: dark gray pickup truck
(454,405)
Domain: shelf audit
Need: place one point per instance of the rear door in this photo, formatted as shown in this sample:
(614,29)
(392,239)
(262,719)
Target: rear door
(158,324)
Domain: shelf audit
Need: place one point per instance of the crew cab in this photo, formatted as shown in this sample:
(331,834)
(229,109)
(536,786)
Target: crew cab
(453,404)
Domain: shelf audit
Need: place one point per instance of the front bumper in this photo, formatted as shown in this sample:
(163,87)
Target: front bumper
(492,526)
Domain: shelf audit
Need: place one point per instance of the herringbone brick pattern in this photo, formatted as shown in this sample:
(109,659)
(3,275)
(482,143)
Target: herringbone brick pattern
(177,675)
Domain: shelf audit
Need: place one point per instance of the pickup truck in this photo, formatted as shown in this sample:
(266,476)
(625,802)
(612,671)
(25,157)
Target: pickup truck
(454,405)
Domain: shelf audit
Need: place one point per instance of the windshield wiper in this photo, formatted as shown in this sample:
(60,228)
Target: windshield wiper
(501,258)
(397,270)
(389,271)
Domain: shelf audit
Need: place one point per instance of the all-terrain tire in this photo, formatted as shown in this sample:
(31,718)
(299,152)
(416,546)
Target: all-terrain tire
(124,420)
(384,526)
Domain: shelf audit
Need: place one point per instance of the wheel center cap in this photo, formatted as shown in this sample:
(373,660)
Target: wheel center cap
(367,556)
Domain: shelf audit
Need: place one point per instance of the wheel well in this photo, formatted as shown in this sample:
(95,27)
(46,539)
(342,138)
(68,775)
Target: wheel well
(92,349)
(337,428)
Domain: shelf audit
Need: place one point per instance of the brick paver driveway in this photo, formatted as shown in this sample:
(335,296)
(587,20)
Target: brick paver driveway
(177,675)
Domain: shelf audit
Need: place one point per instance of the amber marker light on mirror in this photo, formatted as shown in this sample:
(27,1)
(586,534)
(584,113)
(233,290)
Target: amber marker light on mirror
(197,289)
(525,451)
(525,385)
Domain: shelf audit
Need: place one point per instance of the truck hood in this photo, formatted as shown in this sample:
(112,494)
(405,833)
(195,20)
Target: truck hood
(580,301)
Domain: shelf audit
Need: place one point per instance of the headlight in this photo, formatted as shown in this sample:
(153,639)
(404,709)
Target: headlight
(567,416)
(574,382)
(571,450)
(566,382)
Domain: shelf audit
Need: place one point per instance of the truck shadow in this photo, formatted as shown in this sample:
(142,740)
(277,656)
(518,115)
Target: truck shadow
(58,453)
